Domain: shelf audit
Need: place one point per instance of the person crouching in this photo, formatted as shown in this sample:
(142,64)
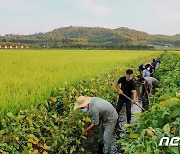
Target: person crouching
(102,113)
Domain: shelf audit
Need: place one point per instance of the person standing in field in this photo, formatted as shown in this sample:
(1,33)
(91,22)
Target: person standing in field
(154,63)
(148,87)
(144,94)
(102,113)
(127,87)
(140,69)
(151,82)
(146,71)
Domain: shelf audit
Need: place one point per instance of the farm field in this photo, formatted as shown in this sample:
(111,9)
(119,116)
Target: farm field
(29,76)
(89,77)
(54,127)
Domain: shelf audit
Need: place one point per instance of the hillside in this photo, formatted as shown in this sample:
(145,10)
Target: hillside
(89,37)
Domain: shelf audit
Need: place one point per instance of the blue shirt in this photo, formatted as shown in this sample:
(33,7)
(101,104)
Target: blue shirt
(146,73)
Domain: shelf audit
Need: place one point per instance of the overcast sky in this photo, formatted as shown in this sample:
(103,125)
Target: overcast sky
(33,16)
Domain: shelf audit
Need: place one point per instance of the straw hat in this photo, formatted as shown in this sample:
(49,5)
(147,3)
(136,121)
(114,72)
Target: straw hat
(82,101)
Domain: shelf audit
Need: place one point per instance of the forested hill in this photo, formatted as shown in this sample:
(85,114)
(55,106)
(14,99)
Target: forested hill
(89,37)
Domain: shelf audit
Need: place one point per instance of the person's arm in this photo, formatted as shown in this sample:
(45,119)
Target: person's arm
(88,129)
(118,87)
(147,89)
(150,87)
(150,91)
(134,96)
(94,114)
(134,92)
(152,71)
(143,73)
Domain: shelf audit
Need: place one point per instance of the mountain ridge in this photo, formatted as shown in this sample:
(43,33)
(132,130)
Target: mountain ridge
(93,37)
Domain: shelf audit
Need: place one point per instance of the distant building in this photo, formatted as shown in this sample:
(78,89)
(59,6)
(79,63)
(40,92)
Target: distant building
(14,46)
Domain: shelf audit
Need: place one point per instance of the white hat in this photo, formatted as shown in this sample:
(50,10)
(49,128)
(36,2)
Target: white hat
(82,101)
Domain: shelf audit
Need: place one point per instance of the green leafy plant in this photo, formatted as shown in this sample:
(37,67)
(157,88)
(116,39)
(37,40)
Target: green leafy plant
(53,126)
(163,118)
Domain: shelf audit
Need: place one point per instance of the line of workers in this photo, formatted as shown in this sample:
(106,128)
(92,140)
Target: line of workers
(104,115)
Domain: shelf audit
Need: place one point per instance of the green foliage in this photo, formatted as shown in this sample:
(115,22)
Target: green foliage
(53,126)
(90,38)
(163,118)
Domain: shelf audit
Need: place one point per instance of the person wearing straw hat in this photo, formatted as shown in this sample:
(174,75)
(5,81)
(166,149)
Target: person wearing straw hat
(102,113)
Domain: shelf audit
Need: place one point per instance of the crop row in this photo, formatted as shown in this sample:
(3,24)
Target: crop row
(162,120)
(53,126)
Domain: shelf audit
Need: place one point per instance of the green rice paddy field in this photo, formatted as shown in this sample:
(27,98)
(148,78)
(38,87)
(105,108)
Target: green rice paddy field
(29,76)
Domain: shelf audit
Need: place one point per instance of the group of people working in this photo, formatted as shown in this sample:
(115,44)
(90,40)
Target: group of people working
(103,113)
(148,82)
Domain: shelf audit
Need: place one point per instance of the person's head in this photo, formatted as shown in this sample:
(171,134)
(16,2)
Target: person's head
(148,66)
(141,67)
(154,60)
(142,80)
(129,74)
(82,102)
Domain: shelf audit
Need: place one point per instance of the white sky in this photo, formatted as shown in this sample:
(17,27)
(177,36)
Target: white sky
(33,16)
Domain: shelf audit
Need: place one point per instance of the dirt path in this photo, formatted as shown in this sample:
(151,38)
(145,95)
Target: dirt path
(121,122)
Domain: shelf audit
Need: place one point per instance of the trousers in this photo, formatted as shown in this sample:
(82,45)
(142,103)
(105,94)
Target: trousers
(128,108)
(106,135)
